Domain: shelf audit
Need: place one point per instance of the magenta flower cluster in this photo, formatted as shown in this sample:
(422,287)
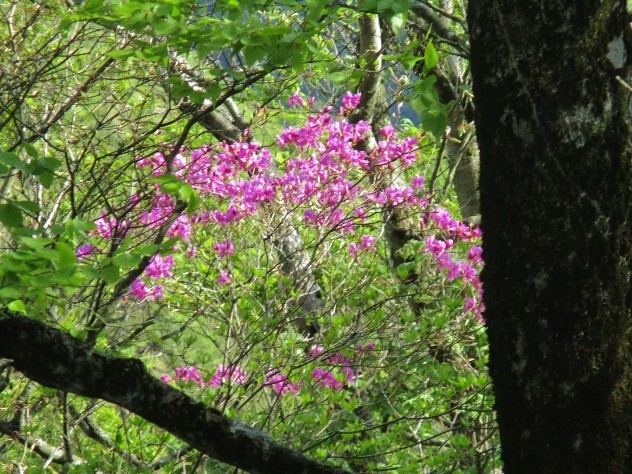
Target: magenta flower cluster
(450,231)
(223,374)
(337,375)
(336,371)
(280,383)
(324,178)
(231,375)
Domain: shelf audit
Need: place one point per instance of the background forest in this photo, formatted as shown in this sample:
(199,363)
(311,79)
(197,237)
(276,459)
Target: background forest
(272,204)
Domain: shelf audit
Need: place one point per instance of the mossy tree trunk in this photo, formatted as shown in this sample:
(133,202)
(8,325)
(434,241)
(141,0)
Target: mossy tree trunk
(553,123)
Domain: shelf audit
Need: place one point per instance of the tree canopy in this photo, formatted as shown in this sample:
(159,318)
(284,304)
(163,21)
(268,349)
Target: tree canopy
(227,223)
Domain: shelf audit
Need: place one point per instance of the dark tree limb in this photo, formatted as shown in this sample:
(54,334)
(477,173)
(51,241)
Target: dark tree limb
(55,359)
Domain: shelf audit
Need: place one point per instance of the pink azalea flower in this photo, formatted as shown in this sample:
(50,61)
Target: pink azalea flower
(296,99)
(326,379)
(369,347)
(138,289)
(223,374)
(387,131)
(350,100)
(353,250)
(156,293)
(224,278)
(418,182)
(475,254)
(224,248)
(181,227)
(280,383)
(160,267)
(311,217)
(367,243)
(189,374)
(316,351)
(338,359)
(108,227)
(469,305)
(84,251)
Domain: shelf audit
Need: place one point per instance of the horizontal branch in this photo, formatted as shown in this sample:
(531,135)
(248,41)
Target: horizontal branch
(55,359)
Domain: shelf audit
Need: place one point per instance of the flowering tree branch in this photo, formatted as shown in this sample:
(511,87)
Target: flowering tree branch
(55,359)
(373,109)
(296,261)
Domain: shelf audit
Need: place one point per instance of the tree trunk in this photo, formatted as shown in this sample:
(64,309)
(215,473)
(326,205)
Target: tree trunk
(553,125)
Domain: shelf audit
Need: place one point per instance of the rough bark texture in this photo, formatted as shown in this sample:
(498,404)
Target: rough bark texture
(556,196)
(54,358)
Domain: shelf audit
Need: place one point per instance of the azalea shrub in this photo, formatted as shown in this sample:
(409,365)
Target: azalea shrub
(393,375)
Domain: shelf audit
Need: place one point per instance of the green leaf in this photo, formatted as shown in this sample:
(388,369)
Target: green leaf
(9,159)
(431,57)
(66,258)
(409,61)
(77,225)
(92,6)
(165,26)
(13,264)
(198,97)
(31,150)
(45,163)
(27,206)
(169,184)
(213,92)
(126,259)
(110,274)
(425,101)
(384,6)
(46,178)
(36,243)
(434,120)
(397,22)
(253,53)
(169,243)
(338,77)
(121,54)
(10,293)
(13,161)
(89,271)
(193,202)
(404,270)
(147,249)
(17,306)
(10,215)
